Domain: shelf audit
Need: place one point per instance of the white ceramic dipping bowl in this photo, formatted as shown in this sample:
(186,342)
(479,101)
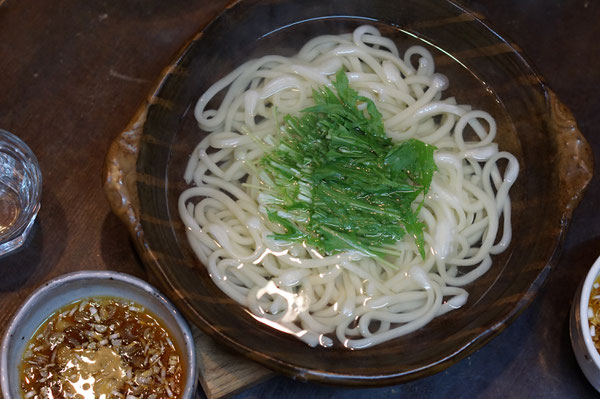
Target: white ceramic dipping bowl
(581,337)
(69,288)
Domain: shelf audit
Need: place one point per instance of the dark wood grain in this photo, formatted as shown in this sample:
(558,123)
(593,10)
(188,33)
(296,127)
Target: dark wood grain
(73,73)
(71,76)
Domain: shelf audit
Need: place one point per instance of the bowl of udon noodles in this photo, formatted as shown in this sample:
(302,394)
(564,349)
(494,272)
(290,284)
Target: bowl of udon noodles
(348,192)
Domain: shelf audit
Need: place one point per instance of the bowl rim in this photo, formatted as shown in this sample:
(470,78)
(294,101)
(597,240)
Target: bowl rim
(189,350)
(556,118)
(584,301)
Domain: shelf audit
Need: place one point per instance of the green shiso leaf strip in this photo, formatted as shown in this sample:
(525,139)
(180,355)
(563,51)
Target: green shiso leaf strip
(337,182)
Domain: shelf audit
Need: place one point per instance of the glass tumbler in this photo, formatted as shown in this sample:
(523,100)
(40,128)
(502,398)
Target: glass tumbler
(20,191)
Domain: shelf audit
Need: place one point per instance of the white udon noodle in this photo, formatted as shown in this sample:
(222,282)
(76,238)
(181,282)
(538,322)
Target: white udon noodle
(357,298)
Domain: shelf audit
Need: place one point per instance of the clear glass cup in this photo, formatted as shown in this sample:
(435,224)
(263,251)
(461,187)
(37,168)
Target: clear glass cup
(20,191)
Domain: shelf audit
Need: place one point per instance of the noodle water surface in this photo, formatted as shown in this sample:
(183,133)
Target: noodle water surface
(355,243)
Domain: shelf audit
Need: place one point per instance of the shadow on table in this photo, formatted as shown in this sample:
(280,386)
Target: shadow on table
(116,248)
(38,255)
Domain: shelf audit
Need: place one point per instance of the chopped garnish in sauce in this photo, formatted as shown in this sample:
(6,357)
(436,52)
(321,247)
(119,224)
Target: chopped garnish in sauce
(101,348)
(594,313)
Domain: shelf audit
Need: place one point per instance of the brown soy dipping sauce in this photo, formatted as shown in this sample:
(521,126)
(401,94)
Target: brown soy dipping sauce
(594,313)
(102,348)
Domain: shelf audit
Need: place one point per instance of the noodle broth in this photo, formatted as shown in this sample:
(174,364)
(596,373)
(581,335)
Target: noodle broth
(490,69)
(464,85)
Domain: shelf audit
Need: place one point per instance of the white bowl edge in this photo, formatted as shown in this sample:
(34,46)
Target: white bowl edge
(584,301)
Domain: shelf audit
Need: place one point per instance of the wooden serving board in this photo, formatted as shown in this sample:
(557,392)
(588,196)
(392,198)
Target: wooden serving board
(221,373)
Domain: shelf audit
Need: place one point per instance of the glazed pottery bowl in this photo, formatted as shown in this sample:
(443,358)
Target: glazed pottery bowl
(484,69)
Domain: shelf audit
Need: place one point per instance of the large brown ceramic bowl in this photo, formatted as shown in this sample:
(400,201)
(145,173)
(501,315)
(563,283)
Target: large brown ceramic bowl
(145,168)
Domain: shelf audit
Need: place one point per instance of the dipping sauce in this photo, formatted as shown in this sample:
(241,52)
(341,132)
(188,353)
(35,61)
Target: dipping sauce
(594,313)
(102,348)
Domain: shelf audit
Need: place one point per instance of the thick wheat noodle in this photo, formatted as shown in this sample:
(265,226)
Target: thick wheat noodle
(348,297)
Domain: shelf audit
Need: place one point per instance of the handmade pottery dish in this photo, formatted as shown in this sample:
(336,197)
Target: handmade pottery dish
(580,329)
(484,69)
(70,288)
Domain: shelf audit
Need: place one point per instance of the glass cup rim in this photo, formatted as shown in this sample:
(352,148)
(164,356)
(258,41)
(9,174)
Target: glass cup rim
(27,157)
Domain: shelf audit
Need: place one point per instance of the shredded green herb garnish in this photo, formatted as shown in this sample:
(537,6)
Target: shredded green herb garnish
(337,182)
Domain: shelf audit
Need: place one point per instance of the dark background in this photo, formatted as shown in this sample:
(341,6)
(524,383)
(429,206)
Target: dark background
(72,73)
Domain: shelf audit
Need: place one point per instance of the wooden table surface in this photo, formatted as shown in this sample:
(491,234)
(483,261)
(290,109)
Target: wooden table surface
(72,73)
